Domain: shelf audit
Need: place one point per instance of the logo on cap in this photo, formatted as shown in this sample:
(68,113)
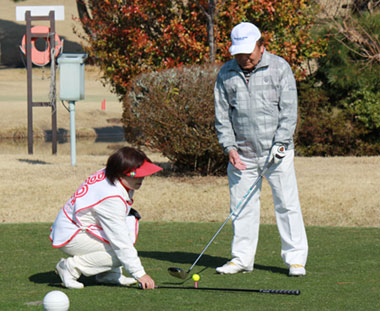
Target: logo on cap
(240,38)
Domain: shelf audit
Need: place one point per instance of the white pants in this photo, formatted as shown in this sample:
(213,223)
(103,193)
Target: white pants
(90,256)
(282,179)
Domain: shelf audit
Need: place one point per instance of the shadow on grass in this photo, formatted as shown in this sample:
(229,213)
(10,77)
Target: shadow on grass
(184,258)
(33,161)
(271,269)
(53,280)
(206,260)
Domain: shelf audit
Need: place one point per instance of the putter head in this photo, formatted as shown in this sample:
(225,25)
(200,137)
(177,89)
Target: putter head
(177,272)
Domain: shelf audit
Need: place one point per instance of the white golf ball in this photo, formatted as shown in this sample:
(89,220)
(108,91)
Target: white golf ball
(56,301)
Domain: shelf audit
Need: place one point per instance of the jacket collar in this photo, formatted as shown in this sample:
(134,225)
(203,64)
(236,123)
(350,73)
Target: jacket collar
(264,61)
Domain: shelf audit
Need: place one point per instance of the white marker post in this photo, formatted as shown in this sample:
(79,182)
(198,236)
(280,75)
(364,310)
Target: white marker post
(73,146)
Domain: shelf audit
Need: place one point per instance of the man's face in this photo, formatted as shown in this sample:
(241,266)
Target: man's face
(249,61)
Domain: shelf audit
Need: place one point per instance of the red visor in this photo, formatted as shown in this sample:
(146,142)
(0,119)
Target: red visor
(146,169)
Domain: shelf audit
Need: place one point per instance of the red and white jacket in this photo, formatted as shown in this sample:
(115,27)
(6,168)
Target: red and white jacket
(101,209)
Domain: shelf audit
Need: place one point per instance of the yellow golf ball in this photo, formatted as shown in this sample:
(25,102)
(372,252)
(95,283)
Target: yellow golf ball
(196,277)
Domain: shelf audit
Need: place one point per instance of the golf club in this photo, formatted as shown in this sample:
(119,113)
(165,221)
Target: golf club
(261,291)
(182,274)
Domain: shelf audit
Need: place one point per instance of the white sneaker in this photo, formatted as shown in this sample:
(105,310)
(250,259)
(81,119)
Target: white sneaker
(114,279)
(231,268)
(68,280)
(297,270)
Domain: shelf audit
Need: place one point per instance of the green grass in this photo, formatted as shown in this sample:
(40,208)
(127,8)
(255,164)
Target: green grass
(342,271)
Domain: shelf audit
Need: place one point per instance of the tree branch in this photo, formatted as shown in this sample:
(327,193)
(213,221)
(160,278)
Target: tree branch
(84,15)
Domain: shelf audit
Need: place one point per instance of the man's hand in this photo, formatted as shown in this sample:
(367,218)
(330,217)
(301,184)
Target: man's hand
(146,282)
(235,160)
(277,153)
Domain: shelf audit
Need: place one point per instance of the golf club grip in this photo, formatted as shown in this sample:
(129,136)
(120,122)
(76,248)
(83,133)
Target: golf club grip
(262,291)
(280,291)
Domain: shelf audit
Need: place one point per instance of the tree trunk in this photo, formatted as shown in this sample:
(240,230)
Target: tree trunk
(211,28)
(83,13)
(210,16)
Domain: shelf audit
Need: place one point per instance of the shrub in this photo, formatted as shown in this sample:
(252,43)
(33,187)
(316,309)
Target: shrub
(173,111)
(325,130)
(364,105)
(320,130)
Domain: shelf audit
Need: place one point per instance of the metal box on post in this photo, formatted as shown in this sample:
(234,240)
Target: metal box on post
(71,76)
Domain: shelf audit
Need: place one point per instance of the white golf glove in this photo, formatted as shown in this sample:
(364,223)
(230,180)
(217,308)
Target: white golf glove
(277,153)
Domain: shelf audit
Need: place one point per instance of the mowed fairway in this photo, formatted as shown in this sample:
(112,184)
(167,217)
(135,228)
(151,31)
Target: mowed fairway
(342,274)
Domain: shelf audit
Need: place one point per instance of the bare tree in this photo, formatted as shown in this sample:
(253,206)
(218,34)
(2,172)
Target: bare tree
(210,14)
(354,36)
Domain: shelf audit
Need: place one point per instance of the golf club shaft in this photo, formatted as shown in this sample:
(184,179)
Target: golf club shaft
(262,291)
(235,209)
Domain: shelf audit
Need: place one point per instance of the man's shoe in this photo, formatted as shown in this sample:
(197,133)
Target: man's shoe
(68,280)
(114,279)
(297,270)
(231,268)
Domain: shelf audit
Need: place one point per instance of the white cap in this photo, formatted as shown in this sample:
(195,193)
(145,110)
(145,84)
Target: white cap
(244,37)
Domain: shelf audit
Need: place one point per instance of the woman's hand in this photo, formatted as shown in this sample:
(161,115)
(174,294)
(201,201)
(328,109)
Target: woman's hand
(146,282)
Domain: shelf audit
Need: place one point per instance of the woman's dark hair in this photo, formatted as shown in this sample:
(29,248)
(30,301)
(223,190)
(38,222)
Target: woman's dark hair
(123,161)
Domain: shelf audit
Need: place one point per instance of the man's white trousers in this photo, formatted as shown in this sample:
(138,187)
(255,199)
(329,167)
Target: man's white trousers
(282,179)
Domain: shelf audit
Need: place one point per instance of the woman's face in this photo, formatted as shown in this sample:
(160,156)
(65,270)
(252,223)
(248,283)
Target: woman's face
(133,183)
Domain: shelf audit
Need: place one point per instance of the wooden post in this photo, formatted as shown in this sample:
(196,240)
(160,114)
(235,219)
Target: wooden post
(52,91)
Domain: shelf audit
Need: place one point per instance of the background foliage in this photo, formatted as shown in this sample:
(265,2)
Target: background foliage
(172,111)
(325,130)
(126,38)
(349,76)
(349,64)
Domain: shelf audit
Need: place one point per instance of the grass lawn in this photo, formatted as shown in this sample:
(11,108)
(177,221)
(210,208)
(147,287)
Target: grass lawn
(342,271)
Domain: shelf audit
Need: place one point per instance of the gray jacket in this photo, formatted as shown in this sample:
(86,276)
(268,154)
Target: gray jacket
(252,117)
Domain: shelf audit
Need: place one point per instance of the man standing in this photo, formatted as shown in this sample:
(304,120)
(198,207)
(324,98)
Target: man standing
(255,119)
